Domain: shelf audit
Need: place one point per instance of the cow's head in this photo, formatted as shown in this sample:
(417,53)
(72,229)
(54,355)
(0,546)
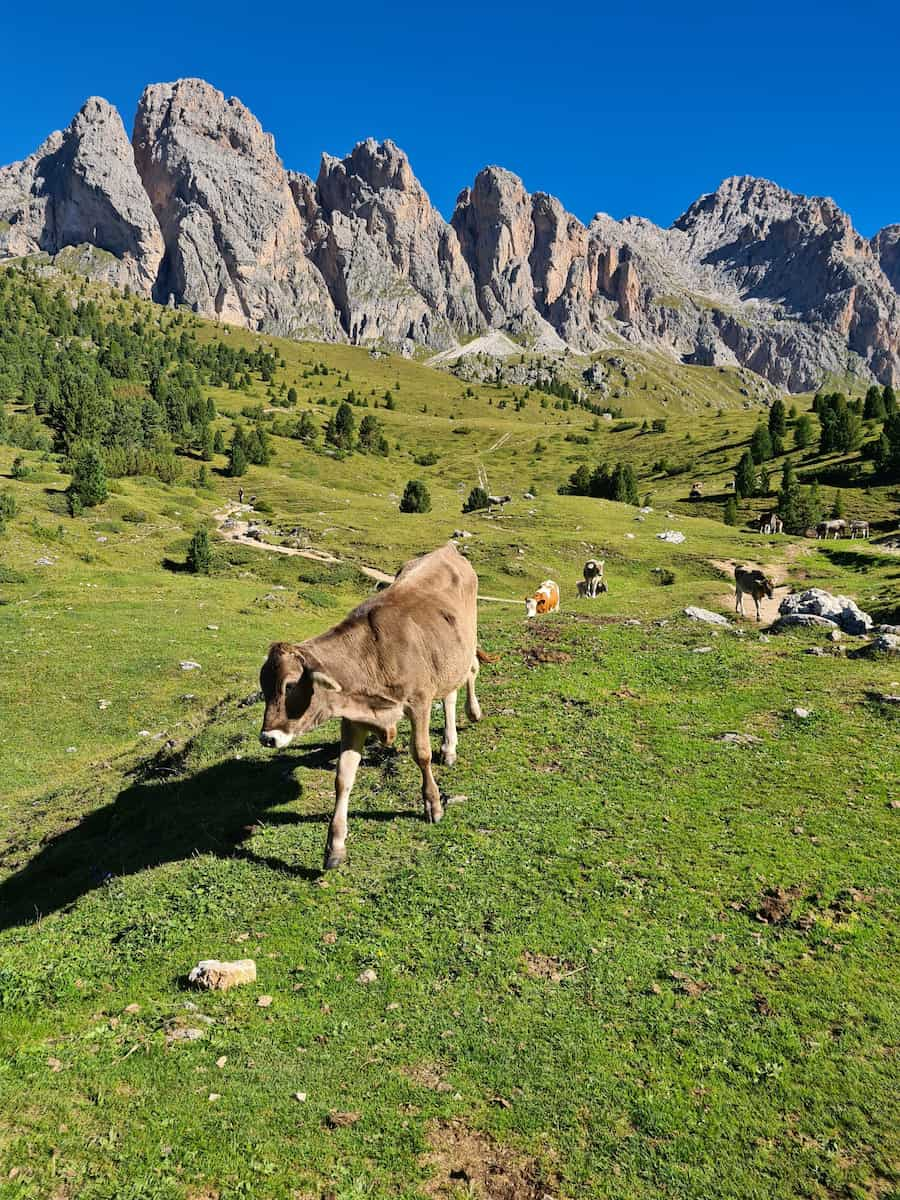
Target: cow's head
(768,586)
(298,695)
(531,606)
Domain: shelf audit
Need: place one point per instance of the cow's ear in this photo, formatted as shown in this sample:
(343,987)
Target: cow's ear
(320,679)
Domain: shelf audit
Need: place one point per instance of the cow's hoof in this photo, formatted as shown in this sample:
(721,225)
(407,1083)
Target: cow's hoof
(448,757)
(335,859)
(433,814)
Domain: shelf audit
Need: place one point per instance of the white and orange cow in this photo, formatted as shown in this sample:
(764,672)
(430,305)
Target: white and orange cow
(544,600)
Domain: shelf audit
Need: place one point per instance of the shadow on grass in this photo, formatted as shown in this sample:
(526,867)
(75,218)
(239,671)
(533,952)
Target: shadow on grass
(152,822)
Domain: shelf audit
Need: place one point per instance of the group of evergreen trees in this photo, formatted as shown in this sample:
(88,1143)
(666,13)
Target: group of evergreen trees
(604,483)
(127,383)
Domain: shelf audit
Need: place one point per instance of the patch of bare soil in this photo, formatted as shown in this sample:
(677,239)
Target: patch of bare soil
(776,904)
(427,1075)
(467,1163)
(537,655)
(543,966)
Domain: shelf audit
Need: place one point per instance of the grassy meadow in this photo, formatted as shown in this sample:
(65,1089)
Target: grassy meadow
(638,958)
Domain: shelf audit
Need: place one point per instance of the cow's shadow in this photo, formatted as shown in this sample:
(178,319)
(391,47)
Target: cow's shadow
(160,820)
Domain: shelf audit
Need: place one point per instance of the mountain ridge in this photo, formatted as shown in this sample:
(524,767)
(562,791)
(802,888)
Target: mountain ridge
(199,210)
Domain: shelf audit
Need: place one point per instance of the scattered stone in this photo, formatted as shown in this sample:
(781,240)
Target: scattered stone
(103,704)
(740,739)
(329,938)
(800,619)
(459,799)
(190,665)
(887,628)
(219,976)
(221,1061)
(393,1006)
(702,650)
(367,976)
(213,627)
(214,1096)
(187,1034)
(43,561)
(885,643)
(102,539)
(630,536)
(817,651)
(143,733)
(802,713)
(264,1002)
(885,698)
(675,536)
(338,1120)
(703,614)
(301,1096)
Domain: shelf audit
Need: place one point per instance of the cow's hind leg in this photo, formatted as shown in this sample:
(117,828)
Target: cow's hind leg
(448,748)
(473,708)
(421,749)
(353,738)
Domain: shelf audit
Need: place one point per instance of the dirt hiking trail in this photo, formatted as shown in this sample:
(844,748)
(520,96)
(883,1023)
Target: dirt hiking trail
(237,530)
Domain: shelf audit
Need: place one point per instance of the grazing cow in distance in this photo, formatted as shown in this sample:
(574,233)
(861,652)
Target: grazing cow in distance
(859,529)
(751,583)
(544,600)
(593,583)
(391,658)
(770,522)
(834,528)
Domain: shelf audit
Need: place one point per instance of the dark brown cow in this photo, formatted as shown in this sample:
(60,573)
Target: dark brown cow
(751,583)
(391,658)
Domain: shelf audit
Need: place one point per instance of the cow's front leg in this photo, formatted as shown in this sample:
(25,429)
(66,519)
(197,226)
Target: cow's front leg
(448,747)
(353,738)
(421,749)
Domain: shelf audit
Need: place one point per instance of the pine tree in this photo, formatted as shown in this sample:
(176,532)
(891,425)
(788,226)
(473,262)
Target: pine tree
(237,455)
(874,406)
(478,498)
(730,515)
(889,399)
(745,476)
(761,444)
(89,477)
(198,555)
(777,419)
(803,431)
(415,498)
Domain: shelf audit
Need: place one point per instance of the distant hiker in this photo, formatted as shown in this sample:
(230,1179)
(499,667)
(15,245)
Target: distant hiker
(240,495)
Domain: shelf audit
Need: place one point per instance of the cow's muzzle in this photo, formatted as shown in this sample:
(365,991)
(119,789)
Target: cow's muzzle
(274,739)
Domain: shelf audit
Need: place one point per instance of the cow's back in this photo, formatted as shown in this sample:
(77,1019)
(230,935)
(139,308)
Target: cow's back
(419,634)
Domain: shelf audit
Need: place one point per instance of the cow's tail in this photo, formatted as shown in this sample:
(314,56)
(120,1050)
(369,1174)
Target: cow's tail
(485,658)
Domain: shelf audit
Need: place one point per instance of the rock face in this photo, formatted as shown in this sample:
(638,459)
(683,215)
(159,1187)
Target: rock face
(201,212)
(235,242)
(81,187)
(393,265)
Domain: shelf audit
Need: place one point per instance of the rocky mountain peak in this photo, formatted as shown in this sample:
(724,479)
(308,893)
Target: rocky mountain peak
(199,211)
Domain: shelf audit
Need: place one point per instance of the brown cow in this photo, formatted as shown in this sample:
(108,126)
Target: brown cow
(391,658)
(751,583)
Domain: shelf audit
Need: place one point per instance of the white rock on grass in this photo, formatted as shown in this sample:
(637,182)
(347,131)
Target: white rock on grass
(814,602)
(703,614)
(219,976)
(190,665)
(675,536)
(367,976)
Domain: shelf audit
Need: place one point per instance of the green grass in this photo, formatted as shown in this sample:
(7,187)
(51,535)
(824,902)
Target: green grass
(570,967)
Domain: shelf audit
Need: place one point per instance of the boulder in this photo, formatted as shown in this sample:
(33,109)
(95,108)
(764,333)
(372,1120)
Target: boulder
(675,536)
(885,643)
(840,610)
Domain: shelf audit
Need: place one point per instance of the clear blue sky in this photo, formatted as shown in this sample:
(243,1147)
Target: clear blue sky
(637,107)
